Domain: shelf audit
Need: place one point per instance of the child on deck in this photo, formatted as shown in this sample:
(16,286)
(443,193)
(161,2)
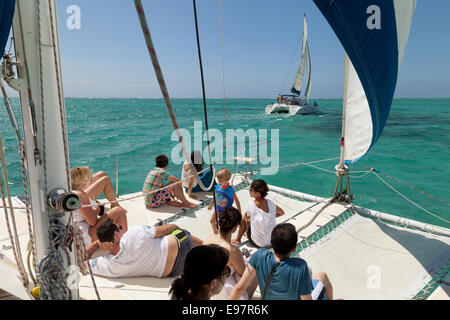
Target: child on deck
(225,196)
(260,216)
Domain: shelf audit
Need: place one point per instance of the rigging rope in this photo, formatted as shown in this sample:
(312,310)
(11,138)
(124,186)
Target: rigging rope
(163,87)
(418,206)
(223,69)
(411,187)
(205,110)
(23,171)
(13,235)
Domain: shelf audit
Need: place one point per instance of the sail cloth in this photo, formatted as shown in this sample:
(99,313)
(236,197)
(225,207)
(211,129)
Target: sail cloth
(298,81)
(308,86)
(374,34)
(6,16)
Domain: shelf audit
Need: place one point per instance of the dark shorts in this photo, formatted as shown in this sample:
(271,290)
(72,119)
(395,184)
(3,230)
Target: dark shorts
(249,236)
(185,244)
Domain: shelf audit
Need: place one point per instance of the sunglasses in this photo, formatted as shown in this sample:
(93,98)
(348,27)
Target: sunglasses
(226,272)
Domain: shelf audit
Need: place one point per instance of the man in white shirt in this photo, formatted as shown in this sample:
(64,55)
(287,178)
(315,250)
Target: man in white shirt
(142,251)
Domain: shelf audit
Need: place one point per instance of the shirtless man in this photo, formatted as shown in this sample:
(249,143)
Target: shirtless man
(143,250)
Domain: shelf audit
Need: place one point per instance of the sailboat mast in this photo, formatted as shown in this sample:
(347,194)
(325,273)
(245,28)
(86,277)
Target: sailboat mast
(341,168)
(39,84)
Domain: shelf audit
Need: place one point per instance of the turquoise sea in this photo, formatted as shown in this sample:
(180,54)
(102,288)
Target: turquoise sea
(414,147)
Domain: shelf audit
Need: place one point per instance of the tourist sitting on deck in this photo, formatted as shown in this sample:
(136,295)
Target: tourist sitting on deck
(229,221)
(205,271)
(281,277)
(88,188)
(191,185)
(260,216)
(143,250)
(158,178)
(225,196)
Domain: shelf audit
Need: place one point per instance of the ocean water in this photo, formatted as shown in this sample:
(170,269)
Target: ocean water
(414,147)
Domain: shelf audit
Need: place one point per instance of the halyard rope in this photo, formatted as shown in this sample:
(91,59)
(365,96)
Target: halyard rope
(163,87)
(21,148)
(205,109)
(223,68)
(15,244)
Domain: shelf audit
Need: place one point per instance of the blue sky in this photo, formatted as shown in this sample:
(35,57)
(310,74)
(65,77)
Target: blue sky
(107,57)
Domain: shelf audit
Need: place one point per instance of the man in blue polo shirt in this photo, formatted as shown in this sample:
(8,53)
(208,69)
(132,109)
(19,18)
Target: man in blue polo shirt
(281,277)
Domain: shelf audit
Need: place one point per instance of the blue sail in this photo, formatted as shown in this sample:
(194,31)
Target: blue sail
(374,35)
(6,16)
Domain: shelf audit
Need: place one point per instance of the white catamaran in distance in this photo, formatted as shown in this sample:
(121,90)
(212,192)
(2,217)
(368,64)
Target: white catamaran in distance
(293,103)
(367,254)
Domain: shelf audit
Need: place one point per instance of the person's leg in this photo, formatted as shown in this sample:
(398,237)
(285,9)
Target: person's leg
(197,241)
(99,175)
(322,277)
(177,191)
(104,185)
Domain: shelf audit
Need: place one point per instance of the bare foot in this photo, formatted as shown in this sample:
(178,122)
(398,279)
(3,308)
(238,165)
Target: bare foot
(175,204)
(236,241)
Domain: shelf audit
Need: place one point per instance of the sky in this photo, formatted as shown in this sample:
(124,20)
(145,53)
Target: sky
(107,56)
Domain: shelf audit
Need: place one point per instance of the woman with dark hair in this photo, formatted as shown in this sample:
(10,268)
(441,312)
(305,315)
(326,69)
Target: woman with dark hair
(230,219)
(191,185)
(260,218)
(205,271)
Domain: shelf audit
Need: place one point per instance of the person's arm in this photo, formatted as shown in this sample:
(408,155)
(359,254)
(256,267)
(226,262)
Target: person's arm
(242,285)
(238,204)
(161,231)
(89,213)
(213,223)
(279,212)
(307,297)
(242,228)
(173,179)
(237,260)
(92,248)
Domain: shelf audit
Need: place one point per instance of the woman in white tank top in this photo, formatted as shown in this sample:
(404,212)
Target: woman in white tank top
(261,215)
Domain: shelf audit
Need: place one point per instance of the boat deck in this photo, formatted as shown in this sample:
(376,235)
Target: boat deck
(350,248)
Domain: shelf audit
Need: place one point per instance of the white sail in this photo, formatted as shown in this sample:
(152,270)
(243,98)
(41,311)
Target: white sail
(357,124)
(298,82)
(308,85)
(374,34)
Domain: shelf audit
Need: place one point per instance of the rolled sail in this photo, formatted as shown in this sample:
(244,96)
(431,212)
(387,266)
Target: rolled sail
(6,16)
(308,85)
(374,34)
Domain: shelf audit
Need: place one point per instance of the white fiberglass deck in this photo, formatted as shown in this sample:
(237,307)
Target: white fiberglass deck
(353,255)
